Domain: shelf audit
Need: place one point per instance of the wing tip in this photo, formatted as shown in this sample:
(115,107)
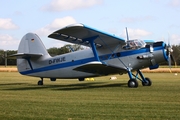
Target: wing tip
(75,25)
(69,26)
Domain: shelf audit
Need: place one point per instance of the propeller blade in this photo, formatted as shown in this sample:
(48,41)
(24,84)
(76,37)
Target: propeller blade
(127,34)
(169,60)
(174,60)
(169,51)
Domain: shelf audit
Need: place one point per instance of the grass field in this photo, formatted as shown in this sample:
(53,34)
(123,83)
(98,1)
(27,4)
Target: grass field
(102,99)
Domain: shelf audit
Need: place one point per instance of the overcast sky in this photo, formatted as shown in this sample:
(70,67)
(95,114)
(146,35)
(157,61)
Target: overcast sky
(145,19)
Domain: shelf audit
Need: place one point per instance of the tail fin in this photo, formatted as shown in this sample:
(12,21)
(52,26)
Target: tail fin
(32,44)
(30,50)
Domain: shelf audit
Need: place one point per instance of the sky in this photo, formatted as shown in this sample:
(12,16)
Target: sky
(157,20)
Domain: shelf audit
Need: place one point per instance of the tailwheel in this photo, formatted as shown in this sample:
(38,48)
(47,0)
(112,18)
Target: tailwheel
(40,82)
(133,83)
(147,82)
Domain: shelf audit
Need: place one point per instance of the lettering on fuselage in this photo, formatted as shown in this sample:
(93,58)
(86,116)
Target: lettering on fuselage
(57,60)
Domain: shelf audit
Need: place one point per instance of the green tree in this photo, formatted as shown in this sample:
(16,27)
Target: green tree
(4,56)
(1,57)
(176,53)
(11,61)
(65,49)
(57,51)
(74,47)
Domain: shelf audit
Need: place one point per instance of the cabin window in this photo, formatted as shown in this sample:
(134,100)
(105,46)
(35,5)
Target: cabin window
(134,44)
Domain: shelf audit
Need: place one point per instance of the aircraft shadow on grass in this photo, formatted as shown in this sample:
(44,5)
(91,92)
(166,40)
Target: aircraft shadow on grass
(65,87)
(7,84)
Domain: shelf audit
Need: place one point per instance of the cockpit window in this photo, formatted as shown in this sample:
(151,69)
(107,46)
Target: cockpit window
(134,44)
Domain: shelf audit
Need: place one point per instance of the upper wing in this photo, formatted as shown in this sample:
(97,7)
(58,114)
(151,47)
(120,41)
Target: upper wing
(81,34)
(100,68)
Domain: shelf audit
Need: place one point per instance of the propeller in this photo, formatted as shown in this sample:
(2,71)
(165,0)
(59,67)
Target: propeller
(170,55)
(169,51)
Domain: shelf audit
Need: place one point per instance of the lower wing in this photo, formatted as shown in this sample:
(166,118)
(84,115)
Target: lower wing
(100,68)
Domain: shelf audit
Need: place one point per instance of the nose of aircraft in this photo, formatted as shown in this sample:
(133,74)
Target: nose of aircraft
(165,51)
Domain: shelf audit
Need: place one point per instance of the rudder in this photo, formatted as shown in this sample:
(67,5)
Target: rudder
(30,50)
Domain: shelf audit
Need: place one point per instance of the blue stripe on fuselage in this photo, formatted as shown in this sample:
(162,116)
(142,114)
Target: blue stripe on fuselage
(83,61)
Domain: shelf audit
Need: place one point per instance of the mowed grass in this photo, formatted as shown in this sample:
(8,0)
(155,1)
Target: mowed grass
(102,99)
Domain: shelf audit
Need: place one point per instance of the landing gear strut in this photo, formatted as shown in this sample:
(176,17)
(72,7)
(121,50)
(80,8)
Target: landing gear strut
(133,83)
(40,82)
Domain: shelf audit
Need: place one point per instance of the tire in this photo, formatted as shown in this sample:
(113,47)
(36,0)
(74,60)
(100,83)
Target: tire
(132,83)
(147,83)
(40,82)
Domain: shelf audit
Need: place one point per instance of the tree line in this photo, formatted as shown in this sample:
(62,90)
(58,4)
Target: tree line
(4,60)
(69,48)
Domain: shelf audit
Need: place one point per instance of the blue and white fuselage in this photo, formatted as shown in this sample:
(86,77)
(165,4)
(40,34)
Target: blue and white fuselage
(107,55)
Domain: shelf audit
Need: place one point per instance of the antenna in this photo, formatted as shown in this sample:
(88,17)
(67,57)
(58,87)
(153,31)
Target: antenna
(127,34)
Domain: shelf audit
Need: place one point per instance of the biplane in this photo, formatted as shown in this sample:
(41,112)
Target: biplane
(108,55)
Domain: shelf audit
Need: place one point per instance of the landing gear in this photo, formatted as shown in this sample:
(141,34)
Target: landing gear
(40,82)
(133,83)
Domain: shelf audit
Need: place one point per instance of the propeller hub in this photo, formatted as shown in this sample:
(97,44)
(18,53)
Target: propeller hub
(169,50)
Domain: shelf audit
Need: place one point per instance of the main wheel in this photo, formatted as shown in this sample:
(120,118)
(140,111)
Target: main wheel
(40,82)
(147,83)
(133,83)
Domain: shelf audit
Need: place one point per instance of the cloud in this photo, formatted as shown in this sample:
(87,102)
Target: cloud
(136,33)
(63,5)
(175,39)
(8,42)
(55,25)
(137,19)
(174,3)
(7,24)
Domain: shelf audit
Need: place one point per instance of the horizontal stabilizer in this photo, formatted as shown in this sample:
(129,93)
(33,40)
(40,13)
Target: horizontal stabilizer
(100,68)
(25,55)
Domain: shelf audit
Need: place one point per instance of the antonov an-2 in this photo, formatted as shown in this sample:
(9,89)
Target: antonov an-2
(108,55)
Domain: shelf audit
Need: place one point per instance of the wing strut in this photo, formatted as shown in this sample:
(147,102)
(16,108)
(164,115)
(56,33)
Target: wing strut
(113,52)
(94,49)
